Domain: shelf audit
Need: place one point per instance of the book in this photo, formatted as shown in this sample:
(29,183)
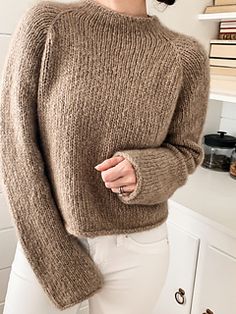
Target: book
(224,2)
(227,36)
(221,70)
(227,30)
(220,8)
(223,62)
(224,50)
(227,24)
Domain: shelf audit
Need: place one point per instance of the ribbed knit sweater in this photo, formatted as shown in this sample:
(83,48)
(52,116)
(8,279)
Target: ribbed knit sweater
(82,83)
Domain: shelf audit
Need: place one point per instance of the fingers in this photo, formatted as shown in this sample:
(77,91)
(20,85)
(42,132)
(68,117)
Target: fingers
(121,175)
(128,182)
(118,171)
(108,163)
(122,169)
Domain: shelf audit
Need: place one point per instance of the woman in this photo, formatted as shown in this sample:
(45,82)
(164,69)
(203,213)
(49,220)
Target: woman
(87,83)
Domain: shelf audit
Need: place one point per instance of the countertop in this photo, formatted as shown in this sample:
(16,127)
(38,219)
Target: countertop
(211,194)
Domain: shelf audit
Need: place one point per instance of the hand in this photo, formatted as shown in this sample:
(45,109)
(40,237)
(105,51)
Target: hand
(118,171)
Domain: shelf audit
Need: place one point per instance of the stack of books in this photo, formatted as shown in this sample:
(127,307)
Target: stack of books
(222,52)
(227,30)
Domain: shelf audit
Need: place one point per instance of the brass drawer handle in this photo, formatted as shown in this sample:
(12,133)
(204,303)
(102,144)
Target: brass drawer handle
(179,296)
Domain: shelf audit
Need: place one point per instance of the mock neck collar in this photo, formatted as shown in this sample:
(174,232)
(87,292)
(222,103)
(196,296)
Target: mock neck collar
(102,15)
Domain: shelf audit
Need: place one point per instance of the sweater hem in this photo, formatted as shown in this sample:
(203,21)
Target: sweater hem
(114,231)
(77,302)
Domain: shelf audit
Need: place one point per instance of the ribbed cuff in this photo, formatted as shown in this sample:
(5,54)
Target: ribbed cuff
(159,173)
(70,278)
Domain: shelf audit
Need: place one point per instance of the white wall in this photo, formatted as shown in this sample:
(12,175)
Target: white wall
(182,17)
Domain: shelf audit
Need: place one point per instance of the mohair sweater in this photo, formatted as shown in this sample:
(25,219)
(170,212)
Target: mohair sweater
(82,83)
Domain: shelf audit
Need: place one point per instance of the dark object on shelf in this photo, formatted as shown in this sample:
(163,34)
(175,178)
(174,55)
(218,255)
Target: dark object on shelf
(217,151)
(232,170)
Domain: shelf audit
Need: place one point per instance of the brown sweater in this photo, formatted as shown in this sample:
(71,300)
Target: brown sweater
(83,83)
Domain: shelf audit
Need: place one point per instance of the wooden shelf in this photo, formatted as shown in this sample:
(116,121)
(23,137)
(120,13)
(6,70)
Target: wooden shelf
(222,41)
(217,16)
(222,97)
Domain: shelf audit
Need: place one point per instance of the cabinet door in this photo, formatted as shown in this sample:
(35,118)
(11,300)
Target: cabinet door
(179,284)
(215,291)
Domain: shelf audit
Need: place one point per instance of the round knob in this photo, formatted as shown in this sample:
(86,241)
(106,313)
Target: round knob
(222,133)
(179,296)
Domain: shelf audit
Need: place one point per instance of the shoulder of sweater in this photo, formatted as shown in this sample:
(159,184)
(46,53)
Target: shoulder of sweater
(43,9)
(192,54)
(37,19)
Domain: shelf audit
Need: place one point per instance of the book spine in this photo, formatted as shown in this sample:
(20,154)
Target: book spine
(225,24)
(229,36)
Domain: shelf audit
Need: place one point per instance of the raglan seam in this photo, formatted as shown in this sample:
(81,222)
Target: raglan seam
(180,61)
(179,54)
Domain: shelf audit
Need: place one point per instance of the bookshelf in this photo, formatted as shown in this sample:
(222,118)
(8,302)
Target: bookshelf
(225,41)
(222,97)
(217,17)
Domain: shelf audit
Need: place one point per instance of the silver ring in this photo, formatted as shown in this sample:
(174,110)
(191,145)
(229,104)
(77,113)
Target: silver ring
(121,190)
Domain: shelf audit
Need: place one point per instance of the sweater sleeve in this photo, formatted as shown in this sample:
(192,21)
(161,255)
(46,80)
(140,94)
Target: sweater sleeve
(161,170)
(65,270)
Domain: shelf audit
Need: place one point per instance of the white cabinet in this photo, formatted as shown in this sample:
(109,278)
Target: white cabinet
(5,217)
(184,248)
(7,247)
(215,283)
(4,277)
(202,269)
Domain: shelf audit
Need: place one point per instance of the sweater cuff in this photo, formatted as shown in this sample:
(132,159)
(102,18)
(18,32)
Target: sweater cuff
(158,175)
(78,277)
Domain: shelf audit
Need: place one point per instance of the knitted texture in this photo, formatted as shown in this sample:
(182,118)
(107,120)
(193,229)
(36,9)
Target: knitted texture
(82,83)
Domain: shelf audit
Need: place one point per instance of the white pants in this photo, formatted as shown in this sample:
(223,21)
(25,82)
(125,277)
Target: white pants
(134,267)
